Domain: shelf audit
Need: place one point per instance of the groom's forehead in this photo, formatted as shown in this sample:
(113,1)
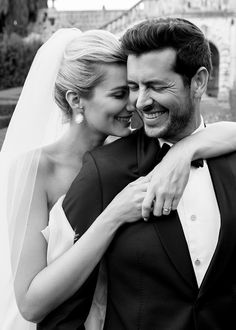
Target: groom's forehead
(151,63)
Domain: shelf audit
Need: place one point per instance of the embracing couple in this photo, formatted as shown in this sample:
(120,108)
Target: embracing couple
(139,233)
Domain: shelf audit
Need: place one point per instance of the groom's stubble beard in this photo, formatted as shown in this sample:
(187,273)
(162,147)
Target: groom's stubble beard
(178,124)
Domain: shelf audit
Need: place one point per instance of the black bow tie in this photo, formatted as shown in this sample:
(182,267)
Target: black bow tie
(165,148)
(197,163)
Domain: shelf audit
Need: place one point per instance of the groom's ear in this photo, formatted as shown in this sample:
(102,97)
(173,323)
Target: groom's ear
(73,99)
(199,82)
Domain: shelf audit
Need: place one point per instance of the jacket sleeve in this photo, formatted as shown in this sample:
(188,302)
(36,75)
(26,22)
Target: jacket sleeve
(82,205)
(83,201)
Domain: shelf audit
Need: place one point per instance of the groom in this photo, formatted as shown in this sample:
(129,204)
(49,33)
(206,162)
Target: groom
(176,272)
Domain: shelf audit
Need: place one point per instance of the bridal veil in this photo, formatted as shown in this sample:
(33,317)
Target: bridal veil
(37,121)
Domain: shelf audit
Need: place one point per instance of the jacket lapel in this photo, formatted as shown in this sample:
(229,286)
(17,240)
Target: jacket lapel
(168,228)
(223,174)
(170,233)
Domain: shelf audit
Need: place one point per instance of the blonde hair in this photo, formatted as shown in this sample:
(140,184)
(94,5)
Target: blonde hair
(80,70)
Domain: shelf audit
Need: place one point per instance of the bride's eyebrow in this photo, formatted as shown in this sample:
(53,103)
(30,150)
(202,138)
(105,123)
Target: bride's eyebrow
(118,88)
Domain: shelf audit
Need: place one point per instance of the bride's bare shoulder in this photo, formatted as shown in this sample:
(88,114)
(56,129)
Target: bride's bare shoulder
(47,160)
(43,165)
(54,172)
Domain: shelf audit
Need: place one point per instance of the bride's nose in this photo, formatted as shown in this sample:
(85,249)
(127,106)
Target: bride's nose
(130,107)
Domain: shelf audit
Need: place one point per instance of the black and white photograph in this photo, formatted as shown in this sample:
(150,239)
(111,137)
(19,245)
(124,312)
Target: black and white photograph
(117,165)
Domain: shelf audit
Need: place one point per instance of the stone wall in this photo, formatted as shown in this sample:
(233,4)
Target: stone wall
(220,30)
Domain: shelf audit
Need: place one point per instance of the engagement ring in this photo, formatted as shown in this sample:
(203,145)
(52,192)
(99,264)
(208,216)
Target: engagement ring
(166,209)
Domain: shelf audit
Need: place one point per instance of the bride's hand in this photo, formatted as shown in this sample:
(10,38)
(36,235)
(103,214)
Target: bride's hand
(127,205)
(167,183)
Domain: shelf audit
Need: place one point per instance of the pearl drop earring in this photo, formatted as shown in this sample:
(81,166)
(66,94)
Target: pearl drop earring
(79,118)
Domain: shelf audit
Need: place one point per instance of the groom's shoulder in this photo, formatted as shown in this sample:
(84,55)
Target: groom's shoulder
(231,159)
(120,147)
(227,157)
(226,161)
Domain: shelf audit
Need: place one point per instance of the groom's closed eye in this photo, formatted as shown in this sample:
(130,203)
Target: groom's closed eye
(133,87)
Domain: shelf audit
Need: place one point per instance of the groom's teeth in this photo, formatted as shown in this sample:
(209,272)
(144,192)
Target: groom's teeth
(153,115)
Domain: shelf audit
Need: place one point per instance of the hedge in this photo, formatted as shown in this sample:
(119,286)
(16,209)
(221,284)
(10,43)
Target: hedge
(16,56)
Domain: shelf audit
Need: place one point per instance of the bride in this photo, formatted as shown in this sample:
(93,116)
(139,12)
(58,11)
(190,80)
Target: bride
(83,74)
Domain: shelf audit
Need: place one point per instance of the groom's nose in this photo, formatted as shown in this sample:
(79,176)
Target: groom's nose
(143,99)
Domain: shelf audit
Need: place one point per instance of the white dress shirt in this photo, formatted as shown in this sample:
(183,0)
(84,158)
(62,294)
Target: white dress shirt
(200,217)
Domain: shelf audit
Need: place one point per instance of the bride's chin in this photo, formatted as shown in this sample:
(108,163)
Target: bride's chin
(127,131)
(121,132)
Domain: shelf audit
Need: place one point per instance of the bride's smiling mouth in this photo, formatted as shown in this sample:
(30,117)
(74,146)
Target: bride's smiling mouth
(124,119)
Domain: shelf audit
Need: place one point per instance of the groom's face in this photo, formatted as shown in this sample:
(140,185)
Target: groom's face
(160,95)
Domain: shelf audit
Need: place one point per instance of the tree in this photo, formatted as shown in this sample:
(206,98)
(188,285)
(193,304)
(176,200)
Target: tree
(4,5)
(34,6)
(15,15)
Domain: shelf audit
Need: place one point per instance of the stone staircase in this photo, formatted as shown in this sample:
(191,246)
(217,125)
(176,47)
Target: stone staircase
(126,19)
(160,8)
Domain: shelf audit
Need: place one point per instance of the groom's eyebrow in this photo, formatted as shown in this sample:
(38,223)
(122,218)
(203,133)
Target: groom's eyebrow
(151,81)
(131,82)
(156,81)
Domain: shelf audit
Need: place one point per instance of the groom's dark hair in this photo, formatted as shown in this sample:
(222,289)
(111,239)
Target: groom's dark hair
(192,48)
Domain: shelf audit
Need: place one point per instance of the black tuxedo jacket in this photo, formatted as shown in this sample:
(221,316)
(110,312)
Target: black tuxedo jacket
(152,285)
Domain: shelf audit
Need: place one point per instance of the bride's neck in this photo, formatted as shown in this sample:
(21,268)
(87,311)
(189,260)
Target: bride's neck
(79,139)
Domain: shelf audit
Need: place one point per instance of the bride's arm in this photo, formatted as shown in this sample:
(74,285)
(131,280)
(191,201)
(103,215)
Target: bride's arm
(169,178)
(216,139)
(40,288)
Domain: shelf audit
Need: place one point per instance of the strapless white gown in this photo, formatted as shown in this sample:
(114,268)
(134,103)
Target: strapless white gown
(60,237)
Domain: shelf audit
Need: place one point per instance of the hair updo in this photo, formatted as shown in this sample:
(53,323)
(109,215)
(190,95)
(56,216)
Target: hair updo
(80,70)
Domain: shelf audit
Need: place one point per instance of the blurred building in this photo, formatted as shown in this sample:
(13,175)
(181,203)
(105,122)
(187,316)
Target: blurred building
(217,19)
(49,20)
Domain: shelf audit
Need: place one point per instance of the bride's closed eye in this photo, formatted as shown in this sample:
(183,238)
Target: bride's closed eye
(120,95)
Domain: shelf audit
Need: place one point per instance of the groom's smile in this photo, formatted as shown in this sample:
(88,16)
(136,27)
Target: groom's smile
(155,114)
